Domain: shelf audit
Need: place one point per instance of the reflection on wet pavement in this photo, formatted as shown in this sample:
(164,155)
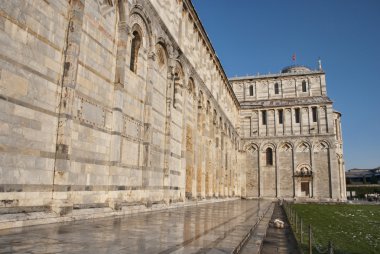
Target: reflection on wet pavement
(194,229)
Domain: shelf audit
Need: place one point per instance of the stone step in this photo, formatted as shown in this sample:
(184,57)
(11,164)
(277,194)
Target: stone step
(256,238)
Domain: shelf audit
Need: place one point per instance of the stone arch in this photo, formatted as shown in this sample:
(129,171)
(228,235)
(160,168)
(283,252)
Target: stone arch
(266,145)
(139,42)
(321,145)
(178,70)
(269,154)
(138,16)
(325,145)
(200,99)
(251,147)
(162,58)
(208,107)
(303,146)
(191,87)
(303,152)
(161,39)
(304,169)
(267,172)
(303,156)
(285,146)
(137,24)
(178,84)
(214,116)
(304,182)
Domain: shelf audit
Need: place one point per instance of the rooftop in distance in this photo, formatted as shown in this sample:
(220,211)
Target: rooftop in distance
(287,71)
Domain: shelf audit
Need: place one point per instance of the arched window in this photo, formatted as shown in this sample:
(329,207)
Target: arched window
(251,90)
(276,88)
(304,86)
(135,46)
(264,117)
(269,156)
(297,115)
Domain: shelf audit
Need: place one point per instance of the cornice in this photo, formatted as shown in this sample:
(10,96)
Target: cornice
(273,103)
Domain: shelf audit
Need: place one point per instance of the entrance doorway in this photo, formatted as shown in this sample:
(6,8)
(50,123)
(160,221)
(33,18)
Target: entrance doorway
(305,189)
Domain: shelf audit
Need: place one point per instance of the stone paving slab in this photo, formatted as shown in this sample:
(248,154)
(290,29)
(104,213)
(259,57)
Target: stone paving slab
(280,240)
(208,228)
(8,221)
(254,243)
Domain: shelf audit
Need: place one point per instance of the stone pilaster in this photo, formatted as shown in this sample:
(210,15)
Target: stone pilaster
(168,121)
(118,98)
(148,121)
(60,204)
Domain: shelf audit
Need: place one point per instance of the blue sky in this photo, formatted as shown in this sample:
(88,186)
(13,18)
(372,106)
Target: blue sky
(257,36)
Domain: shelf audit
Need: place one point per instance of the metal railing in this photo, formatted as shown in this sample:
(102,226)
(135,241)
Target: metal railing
(304,233)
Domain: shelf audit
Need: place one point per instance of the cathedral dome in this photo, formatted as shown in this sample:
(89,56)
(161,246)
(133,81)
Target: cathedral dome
(295,69)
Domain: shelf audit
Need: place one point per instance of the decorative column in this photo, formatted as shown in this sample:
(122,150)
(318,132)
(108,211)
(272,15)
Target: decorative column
(148,120)
(168,120)
(61,205)
(118,98)
(195,151)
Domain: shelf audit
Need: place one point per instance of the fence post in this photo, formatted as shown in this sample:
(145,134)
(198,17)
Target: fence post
(301,231)
(296,224)
(330,248)
(293,213)
(310,243)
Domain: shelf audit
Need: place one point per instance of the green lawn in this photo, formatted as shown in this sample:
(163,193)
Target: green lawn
(351,228)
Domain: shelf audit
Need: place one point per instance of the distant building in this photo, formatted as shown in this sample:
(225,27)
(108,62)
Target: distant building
(358,176)
(291,135)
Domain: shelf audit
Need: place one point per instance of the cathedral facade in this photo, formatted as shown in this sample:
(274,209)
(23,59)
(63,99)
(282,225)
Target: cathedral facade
(118,103)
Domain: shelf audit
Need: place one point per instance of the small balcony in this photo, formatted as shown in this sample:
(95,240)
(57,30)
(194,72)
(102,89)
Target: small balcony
(303,173)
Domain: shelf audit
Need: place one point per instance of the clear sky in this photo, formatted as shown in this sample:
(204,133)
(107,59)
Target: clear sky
(257,36)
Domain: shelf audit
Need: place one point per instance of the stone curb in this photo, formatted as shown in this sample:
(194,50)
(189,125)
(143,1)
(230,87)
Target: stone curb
(256,235)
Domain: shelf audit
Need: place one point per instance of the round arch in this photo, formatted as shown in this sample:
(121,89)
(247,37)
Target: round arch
(138,16)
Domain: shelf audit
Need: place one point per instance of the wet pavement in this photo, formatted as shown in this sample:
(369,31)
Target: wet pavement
(280,241)
(206,228)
